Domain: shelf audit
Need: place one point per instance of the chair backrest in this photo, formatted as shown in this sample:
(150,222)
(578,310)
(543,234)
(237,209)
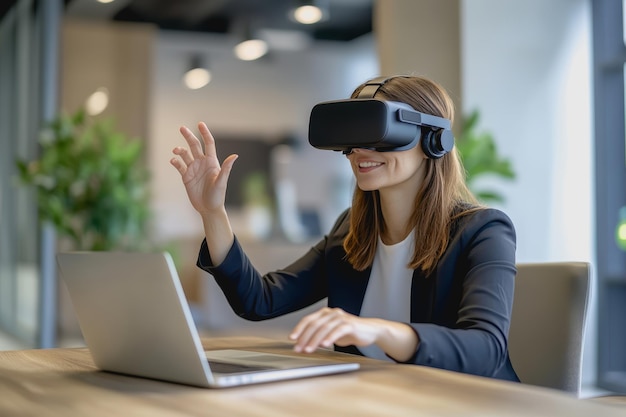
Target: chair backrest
(548,323)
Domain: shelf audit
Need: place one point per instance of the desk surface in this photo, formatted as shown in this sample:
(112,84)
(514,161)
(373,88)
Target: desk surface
(65,382)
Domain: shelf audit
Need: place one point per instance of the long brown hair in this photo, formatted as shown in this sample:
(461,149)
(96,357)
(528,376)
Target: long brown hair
(443,196)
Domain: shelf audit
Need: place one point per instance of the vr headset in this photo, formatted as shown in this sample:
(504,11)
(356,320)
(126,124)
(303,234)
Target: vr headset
(384,126)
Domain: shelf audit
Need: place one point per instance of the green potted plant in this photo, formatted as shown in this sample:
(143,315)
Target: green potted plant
(90,182)
(481,158)
(257,205)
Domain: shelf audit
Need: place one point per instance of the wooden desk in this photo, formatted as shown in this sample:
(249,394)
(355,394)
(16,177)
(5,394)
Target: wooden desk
(64,382)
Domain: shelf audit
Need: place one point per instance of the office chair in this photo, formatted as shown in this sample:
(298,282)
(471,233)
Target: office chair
(548,323)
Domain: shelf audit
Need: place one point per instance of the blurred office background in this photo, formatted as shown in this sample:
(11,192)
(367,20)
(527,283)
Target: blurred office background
(546,77)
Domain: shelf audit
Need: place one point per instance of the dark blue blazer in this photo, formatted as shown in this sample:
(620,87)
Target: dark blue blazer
(461,311)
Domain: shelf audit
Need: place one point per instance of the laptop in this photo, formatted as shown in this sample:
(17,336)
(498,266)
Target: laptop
(135,320)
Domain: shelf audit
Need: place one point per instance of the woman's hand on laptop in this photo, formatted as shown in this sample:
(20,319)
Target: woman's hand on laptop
(329,326)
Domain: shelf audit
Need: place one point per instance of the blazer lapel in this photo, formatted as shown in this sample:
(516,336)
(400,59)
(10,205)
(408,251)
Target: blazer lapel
(347,287)
(421,297)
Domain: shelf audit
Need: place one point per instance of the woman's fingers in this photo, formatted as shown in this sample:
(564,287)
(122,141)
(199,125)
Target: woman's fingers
(321,328)
(227,166)
(336,334)
(327,334)
(305,321)
(204,179)
(185,155)
(195,147)
(209,141)
(182,168)
(194,144)
(313,332)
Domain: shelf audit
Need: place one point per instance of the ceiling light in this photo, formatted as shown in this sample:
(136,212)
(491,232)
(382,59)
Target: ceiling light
(105,1)
(198,75)
(308,14)
(251,49)
(97,102)
(197,78)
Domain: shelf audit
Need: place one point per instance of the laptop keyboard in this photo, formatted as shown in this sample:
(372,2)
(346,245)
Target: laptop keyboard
(234,368)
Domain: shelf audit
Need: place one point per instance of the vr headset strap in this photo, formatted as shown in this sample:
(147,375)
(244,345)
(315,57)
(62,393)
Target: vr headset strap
(370,89)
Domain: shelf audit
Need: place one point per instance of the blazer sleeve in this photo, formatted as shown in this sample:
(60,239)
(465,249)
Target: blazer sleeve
(258,297)
(483,258)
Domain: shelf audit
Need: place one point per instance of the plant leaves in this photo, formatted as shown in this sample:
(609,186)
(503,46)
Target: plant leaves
(480,158)
(91,182)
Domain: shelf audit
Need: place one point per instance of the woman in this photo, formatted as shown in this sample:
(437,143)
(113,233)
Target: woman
(416,271)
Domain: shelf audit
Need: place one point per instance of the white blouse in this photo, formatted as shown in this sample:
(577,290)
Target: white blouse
(388,293)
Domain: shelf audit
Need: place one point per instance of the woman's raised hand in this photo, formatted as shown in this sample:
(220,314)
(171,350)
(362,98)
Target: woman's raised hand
(205,180)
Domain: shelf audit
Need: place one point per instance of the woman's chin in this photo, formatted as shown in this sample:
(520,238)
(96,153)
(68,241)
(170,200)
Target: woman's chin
(367,187)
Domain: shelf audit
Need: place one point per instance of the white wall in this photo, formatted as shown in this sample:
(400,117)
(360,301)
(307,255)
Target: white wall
(263,98)
(527,68)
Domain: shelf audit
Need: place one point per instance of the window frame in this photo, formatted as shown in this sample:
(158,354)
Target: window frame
(609,60)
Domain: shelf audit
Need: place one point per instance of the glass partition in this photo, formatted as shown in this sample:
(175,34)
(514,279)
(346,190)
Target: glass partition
(24,37)
(18,279)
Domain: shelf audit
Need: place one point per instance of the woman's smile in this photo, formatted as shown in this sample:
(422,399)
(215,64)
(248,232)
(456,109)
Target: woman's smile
(367,166)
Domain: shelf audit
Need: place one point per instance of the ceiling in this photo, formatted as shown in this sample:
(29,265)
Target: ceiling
(347,19)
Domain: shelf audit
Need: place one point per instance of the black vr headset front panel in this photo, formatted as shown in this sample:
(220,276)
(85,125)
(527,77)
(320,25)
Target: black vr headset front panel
(366,122)
(360,123)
